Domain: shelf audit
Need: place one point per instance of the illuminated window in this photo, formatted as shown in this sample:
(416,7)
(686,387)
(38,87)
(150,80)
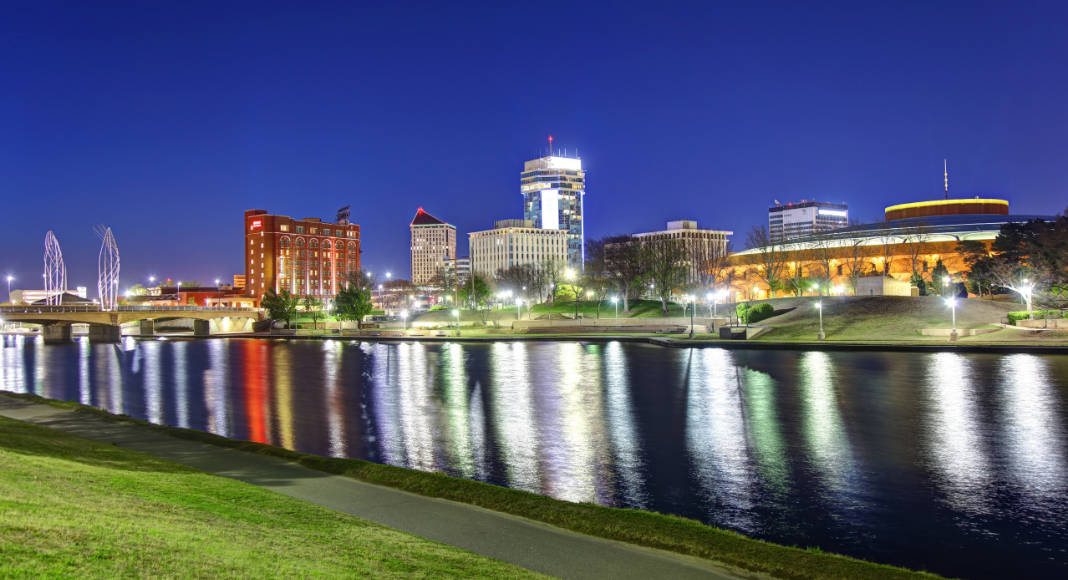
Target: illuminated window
(284,227)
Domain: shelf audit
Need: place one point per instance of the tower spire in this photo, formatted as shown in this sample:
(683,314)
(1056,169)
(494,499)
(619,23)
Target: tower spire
(945,175)
(550,145)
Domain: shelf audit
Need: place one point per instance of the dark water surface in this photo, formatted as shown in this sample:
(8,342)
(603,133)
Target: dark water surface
(954,463)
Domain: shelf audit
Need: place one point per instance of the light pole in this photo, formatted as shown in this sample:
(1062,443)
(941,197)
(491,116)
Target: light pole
(952,303)
(218,291)
(819,308)
(1027,288)
(178,294)
(404,319)
(456,315)
(693,310)
(9,279)
(615,302)
(711,299)
(518,307)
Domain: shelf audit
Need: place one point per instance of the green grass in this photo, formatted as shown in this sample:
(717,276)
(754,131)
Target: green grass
(72,507)
(643,528)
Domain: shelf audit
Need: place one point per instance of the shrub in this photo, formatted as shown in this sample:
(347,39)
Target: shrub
(754,313)
(1039,314)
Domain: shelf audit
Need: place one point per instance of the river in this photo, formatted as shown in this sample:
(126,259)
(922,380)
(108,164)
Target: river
(953,463)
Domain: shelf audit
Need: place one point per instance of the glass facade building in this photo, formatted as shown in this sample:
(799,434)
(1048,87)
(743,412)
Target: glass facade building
(553,188)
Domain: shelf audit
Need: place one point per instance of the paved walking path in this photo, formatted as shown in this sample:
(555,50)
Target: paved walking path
(532,545)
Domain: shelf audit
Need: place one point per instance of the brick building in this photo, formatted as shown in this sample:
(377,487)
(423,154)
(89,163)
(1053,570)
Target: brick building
(307,257)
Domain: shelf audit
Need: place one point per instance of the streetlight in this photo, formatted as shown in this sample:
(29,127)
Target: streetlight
(9,279)
(178,294)
(404,317)
(711,299)
(819,308)
(389,275)
(456,315)
(1026,291)
(518,307)
(952,303)
(693,310)
(615,302)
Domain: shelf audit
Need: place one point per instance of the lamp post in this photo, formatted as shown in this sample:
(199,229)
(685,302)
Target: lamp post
(404,319)
(456,315)
(615,302)
(518,307)
(218,291)
(819,308)
(1027,288)
(9,279)
(711,299)
(693,310)
(952,303)
(178,293)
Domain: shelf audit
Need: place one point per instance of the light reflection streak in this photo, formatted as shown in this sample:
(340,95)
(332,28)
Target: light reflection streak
(153,380)
(513,422)
(283,389)
(1036,440)
(217,385)
(12,375)
(569,401)
(181,384)
(954,434)
(824,433)
(256,390)
(335,419)
(764,430)
(458,444)
(716,437)
(84,349)
(414,383)
(41,354)
(620,415)
(386,406)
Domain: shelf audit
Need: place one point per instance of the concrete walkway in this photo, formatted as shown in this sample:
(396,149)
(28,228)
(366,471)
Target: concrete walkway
(532,545)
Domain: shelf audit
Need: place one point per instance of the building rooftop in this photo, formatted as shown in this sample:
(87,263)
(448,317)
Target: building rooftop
(422,218)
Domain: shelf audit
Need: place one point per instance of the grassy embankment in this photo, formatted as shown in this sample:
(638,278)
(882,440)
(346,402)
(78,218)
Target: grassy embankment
(642,528)
(72,507)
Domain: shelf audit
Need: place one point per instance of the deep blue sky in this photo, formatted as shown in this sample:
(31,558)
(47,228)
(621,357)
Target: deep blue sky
(167,120)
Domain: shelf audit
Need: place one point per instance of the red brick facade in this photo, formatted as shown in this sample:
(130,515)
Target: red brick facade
(308,257)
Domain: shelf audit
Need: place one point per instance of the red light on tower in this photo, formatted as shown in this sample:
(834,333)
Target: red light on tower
(550,145)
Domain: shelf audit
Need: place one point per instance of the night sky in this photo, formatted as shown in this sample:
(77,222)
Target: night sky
(167,120)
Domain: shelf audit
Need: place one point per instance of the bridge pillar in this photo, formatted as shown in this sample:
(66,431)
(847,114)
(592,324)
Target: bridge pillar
(56,333)
(148,327)
(201,327)
(105,333)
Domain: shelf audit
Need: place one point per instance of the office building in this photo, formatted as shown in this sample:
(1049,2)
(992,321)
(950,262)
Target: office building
(800,220)
(553,188)
(458,270)
(432,243)
(514,242)
(704,248)
(307,257)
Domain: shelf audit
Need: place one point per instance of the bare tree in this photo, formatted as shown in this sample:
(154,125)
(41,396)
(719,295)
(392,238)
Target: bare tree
(854,260)
(664,263)
(623,262)
(771,258)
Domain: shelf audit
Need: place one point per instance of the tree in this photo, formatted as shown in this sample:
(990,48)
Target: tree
(314,307)
(941,280)
(822,252)
(280,305)
(623,263)
(854,261)
(916,242)
(974,254)
(353,301)
(596,278)
(664,264)
(771,258)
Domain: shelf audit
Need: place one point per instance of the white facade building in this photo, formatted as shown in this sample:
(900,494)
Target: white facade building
(515,242)
(703,247)
(433,242)
(801,220)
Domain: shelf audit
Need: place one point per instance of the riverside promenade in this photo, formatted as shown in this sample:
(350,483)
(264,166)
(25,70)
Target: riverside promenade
(526,543)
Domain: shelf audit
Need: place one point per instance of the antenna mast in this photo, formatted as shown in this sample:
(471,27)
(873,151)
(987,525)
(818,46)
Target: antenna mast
(945,174)
(550,145)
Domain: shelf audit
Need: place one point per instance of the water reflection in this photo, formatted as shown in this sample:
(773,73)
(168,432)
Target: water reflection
(794,447)
(954,441)
(1034,432)
(716,438)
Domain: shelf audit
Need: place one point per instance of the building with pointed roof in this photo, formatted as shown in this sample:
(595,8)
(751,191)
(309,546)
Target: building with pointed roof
(433,241)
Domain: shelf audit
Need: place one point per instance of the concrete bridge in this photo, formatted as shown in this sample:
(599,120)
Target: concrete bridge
(105,325)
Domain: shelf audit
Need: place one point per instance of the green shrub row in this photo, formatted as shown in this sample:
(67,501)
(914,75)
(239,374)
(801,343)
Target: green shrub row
(1039,314)
(748,313)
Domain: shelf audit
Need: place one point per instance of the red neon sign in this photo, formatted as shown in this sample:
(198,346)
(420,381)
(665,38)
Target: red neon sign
(257,224)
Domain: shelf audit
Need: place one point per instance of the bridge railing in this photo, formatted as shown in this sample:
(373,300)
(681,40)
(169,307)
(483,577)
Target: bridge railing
(41,309)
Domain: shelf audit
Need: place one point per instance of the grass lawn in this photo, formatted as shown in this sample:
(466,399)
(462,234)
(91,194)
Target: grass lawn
(643,528)
(71,507)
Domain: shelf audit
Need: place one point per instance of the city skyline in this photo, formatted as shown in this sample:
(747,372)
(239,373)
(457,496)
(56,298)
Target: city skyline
(166,143)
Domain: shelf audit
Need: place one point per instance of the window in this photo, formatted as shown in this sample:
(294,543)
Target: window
(300,229)
(314,230)
(326,231)
(284,227)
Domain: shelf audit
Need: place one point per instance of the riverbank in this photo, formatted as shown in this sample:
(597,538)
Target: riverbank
(74,507)
(674,534)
